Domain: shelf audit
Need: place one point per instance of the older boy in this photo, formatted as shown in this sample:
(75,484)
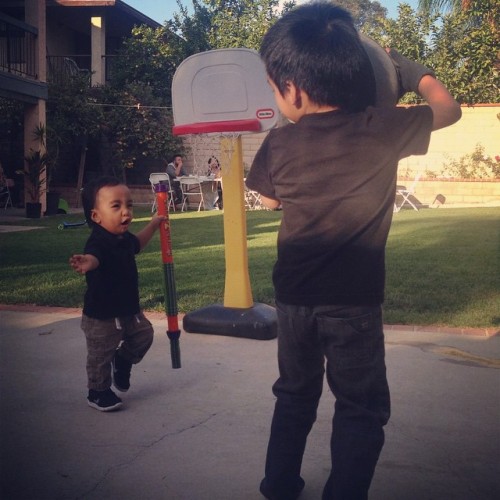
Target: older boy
(329,274)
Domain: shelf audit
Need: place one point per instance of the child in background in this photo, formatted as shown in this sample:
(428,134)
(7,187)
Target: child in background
(118,334)
(336,214)
(214,170)
(213,167)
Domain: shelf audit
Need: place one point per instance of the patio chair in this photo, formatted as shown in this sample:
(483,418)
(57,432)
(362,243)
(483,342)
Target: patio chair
(163,178)
(406,196)
(4,190)
(191,190)
(71,68)
(252,199)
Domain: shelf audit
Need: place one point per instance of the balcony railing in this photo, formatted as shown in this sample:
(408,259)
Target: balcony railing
(60,68)
(18,55)
(17,47)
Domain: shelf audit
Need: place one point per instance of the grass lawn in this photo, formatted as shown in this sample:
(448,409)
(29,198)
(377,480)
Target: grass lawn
(442,265)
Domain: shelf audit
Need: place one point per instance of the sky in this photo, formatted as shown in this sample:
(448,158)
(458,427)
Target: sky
(161,10)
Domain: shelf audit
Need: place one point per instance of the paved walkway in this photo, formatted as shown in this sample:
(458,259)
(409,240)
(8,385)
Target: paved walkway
(200,432)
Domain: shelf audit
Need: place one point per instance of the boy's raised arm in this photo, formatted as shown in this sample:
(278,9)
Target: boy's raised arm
(415,77)
(446,111)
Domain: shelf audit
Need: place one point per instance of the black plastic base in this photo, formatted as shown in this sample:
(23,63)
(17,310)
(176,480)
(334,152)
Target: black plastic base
(258,322)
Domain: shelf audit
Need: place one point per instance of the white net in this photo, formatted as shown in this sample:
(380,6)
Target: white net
(212,155)
(209,151)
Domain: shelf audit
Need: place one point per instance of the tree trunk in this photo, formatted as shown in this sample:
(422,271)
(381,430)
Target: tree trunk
(81,170)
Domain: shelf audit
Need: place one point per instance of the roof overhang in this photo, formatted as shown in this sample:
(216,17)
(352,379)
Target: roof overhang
(118,4)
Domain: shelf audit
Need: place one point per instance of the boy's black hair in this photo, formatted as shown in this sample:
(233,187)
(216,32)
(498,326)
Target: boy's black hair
(89,194)
(317,47)
(174,156)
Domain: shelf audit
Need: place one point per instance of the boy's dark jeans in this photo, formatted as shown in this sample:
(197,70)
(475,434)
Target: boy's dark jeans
(132,334)
(352,341)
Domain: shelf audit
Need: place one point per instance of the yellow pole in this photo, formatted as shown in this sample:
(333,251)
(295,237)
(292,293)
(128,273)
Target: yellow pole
(237,291)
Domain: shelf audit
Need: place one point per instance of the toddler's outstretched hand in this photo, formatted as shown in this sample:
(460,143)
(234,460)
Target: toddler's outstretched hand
(156,220)
(147,232)
(83,263)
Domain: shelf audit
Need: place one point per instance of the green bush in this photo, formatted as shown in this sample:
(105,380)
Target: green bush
(476,165)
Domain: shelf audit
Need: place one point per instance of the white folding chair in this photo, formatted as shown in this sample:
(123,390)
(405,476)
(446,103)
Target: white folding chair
(405,196)
(191,190)
(164,178)
(252,199)
(4,190)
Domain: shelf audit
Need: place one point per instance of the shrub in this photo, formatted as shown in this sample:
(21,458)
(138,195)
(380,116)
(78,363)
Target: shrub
(476,165)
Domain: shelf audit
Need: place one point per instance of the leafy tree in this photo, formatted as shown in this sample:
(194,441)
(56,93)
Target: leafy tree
(466,52)
(368,15)
(462,47)
(69,122)
(242,23)
(467,47)
(218,24)
(11,143)
(443,5)
(69,115)
(149,56)
(409,35)
(135,124)
(192,30)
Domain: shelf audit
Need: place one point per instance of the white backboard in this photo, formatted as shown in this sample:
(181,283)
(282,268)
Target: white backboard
(225,86)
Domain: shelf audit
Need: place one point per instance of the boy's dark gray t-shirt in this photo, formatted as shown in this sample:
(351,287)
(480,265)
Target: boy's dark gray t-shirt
(112,288)
(335,176)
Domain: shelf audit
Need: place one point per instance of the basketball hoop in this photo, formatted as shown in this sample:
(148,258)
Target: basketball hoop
(217,96)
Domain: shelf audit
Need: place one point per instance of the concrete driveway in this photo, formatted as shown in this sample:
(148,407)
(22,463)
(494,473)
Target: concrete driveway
(200,432)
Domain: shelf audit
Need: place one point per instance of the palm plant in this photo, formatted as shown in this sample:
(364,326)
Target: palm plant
(35,167)
(443,5)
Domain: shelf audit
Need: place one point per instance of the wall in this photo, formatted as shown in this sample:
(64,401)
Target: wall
(455,193)
(479,124)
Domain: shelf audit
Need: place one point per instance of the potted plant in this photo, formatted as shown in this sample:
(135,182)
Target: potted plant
(35,167)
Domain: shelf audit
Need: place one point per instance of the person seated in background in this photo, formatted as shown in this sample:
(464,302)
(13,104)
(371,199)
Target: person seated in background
(214,170)
(174,170)
(5,185)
